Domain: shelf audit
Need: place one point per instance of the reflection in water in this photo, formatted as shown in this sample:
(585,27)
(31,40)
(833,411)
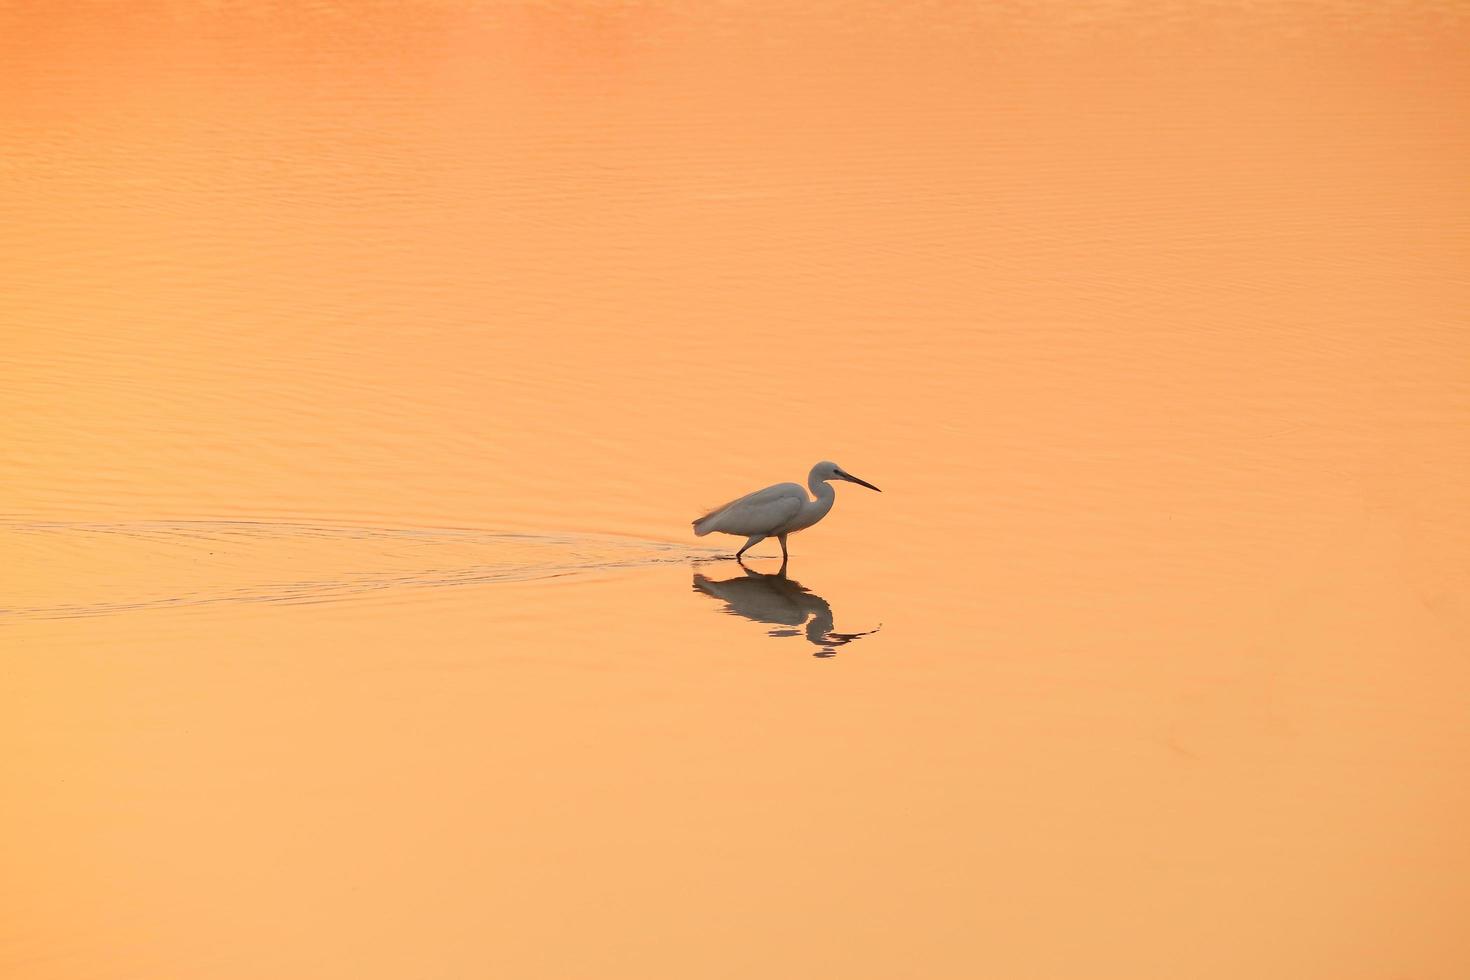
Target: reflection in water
(781,601)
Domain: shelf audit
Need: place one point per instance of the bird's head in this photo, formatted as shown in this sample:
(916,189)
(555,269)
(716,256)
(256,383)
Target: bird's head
(826,470)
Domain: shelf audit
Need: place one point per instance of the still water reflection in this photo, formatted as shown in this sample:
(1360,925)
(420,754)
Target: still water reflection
(778,600)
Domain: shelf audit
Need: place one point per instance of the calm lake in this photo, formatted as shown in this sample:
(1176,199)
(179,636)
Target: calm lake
(362,366)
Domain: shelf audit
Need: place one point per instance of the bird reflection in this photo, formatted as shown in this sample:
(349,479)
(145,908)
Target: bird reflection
(780,601)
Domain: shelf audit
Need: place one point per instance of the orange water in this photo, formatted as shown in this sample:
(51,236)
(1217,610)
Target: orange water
(364,363)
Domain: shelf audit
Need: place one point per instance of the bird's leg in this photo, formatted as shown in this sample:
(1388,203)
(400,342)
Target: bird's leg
(784,556)
(753,539)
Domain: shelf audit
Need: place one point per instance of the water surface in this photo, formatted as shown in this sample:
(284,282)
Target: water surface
(364,364)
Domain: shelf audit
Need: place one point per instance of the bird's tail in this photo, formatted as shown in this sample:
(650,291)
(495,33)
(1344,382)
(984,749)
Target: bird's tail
(706,524)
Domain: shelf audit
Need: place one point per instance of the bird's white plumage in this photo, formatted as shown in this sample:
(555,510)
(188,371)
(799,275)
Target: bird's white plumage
(761,512)
(777,510)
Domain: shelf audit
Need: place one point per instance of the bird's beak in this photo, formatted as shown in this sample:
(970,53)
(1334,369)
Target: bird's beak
(862,483)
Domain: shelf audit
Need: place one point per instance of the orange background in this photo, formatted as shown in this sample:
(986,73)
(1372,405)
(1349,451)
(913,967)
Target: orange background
(1148,318)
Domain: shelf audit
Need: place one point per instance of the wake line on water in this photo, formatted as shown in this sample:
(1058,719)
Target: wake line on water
(176,564)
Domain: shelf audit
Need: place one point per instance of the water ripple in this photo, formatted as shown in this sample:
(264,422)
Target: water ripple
(64,569)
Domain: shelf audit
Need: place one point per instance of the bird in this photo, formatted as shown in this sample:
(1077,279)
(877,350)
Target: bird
(778,510)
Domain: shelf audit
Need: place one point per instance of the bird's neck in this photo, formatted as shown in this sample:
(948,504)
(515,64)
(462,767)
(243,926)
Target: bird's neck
(821,489)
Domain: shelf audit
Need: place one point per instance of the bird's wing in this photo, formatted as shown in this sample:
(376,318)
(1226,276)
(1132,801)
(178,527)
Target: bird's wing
(755,513)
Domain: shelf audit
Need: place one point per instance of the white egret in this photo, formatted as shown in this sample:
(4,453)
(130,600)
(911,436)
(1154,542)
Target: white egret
(779,510)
